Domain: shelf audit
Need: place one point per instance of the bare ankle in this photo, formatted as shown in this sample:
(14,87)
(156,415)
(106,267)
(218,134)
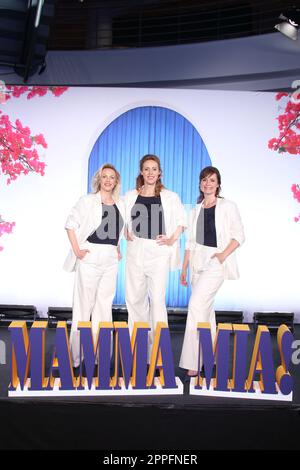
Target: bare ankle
(192,372)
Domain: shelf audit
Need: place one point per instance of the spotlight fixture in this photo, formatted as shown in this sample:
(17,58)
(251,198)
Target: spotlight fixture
(290,23)
(24,32)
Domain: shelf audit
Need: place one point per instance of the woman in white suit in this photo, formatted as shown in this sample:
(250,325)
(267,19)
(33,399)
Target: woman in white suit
(215,231)
(94,227)
(155,219)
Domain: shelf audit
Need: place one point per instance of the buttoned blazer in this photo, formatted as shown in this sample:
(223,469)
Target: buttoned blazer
(228,227)
(174,216)
(85,217)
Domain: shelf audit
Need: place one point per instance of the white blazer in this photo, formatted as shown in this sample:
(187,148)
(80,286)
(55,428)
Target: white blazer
(85,217)
(174,215)
(228,227)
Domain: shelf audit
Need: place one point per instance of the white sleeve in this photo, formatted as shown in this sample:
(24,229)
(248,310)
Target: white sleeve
(74,219)
(180,212)
(190,236)
(236,225)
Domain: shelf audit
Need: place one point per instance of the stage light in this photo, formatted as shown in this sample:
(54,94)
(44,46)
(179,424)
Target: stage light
(9,313)
(43,68)
(273,320)
(289,27)
(56,314)
(288,30)
(24,32)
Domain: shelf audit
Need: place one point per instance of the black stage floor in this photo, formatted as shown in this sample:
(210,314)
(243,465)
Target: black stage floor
(148,422)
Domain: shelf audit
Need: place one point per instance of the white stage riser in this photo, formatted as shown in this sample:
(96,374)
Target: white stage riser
(257,395)
(86,392)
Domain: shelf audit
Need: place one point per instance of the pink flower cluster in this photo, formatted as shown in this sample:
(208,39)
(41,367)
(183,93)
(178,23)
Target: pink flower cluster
(281,94)
(19,149)
(32,91)
(5,227)
(289,133)
(296,191)
(288,125)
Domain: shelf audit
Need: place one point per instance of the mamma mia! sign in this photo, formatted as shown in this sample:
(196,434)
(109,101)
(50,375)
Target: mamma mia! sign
(133,376)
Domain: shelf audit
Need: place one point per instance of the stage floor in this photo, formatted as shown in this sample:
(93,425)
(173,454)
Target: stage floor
(148,422)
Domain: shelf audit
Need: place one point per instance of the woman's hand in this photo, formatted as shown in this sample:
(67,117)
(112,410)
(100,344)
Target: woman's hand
(164,240)
(81,253)
(128,235)
(183,280)
(220,257)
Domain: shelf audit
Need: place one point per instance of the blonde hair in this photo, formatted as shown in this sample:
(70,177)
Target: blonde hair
(96,183)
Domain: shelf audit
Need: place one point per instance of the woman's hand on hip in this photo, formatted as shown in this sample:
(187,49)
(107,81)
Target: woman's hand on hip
(164,240)
(220,257)
(128,235)
(81,253)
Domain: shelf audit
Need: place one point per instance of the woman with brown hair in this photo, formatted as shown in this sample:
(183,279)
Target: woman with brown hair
(215,231)
(155,219)
(94,227)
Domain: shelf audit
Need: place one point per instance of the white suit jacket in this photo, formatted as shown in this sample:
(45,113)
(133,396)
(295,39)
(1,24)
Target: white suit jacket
(174,215)
(228,227)
(85,218)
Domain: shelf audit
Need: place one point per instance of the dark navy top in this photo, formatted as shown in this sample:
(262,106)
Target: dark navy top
(206,227)
(147,217)
(109,230)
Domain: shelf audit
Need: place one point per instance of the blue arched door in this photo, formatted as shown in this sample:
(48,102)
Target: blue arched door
(167,134)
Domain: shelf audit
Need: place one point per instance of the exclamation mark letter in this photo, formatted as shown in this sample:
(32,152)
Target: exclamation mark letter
(283,377)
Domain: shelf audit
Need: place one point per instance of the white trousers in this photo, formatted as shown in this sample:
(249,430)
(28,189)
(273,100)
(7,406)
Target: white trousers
(147,268)
(205,285)
(94,290)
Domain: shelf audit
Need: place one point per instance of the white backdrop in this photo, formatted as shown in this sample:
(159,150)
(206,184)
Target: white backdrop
(235,127)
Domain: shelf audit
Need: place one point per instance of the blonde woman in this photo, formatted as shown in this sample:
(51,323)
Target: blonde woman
(94,227)
(155,219)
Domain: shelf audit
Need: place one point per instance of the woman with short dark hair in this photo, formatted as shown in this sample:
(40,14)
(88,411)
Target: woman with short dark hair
(215,231)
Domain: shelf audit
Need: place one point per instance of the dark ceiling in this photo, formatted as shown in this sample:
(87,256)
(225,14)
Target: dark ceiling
(117,24)
(27,31)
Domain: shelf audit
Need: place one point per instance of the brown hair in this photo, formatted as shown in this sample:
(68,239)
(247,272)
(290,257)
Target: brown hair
(207,171)
(140,179)
(96,184)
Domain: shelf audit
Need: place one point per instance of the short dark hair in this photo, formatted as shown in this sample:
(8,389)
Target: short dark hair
(207,171)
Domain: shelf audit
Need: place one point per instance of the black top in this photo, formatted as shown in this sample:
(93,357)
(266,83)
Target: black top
(109,230)
(206,227)
(147,217)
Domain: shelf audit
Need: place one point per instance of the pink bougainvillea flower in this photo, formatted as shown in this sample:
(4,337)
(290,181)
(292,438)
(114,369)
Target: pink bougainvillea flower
(58,90)
(16,91)
(19,148)
(288,141)
(280,95)
(296,191)
(6,227)
(40,140)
